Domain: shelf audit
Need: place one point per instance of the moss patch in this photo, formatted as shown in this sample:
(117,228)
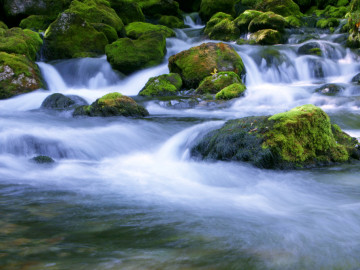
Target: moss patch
(267,37)
(243,20)
(222,27)
(282,7)
(37,22)
(171,21)
(163,85)
(267,20)
(214,83)
(128,11)
(210,7)
(136,29)
(232,91)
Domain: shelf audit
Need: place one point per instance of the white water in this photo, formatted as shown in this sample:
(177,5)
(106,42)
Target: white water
(291,220)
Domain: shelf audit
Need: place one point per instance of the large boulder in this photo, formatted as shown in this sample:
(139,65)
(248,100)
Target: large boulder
(301,137)
(128,11)
(163,85)
(267,20)
(37,22)
(71,36)
(136,29)
(127,55)
(281,7)
(222,27)
(18,75)
(210,7)
(195,64)
(267,37)
(59,101)
(214,83)
(113,104)
(243,20)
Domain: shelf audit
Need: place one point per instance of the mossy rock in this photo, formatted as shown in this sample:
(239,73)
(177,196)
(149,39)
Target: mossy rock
(18,41)
(199,62)
(282,7)
(222,27)
(302,137)
(214,83)
(43,160)
(327,23)
(171,21)
(310,48)
(243,20)
(37,23)
(107,30)
(127,55)
(70,36)
(330,89)
(356,79)
(59,101)
(163,85)
(293,21)
(18,75)
(136,29)
(335,12)
(267,37)
(267,20)
(3,25)
(97,11)
(234,90)
(210,7)
(128,11)
(189,5)
(113,104)
(157,8)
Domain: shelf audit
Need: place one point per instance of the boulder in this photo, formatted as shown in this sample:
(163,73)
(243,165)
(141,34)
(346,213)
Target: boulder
(282,7)
(310,48)
(222,27)
(330,89)
(163,85)
(243,20)
(210,7)
(128,11)
(267,20)
(327,23)
(214,83)
(127,55)
(43,160)
(136,29)
(195,64)
(171,21)
(234,90)
(18,75)
(267,37)
(356,79)
(107,30)
(59,101)
(37,22)
(113,104)
(302,137)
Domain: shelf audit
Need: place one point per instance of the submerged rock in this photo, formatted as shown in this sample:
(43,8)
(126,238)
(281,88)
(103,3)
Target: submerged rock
(330,89)
(163,85)
(301,137)
(43,160)
(113,104)
(59,101)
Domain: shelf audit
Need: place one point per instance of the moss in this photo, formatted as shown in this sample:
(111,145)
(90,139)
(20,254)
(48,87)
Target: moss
(281,7)
(243,20)
(310,48)
(353,16)
(267,37)
(126,55)
(128,11)
(214,83)
(293,21)
(171,21)
(327,23)
(3,25)
(112,104)
(222,27)
(136,29)
(210,7)
(199,62)
(107,30)
(70,36)
(267,20)
(37,22)
(17,75)
(18,41)
(232,91)
(163,85)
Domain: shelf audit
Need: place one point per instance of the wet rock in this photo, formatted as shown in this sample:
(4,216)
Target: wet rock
(128,11)
(180,103)
(136,29)
(222,27)
(59,101)
(214,83)
(43,160)
(234,90)
(356,79)
(163,85)
(310,48)
(267,37)
(330,89)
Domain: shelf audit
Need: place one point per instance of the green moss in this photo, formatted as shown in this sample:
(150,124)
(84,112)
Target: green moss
(342,3)
(126,55)
(199,62)
(293,21)
(3,25)
(171,21)
(18,41)
(222,27)
(243,20)
(17,75)
(267,20)
(232,91)
(281,7)
(327,23)
(214,83)
(107,30)
(163,85)
(128,11)
(310,48)
(136,29)
(267,37)
(37,22)
(71,36)
(210,7)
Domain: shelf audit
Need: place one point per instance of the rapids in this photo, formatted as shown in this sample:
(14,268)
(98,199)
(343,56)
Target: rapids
(124,193)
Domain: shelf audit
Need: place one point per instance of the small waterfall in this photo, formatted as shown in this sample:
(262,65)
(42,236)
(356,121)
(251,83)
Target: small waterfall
(52,77)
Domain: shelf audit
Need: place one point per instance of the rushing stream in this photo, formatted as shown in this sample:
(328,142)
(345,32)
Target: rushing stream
(124,193)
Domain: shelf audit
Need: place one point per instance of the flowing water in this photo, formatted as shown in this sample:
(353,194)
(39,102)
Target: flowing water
(124,193)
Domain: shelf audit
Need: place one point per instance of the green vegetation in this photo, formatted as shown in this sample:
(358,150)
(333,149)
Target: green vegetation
(222,27)
(267,37)
(128,11)
(214,83)
(234,90)
(171,21)
(163,85)
(210,7)
(267,20)
(137,29)
(37,23)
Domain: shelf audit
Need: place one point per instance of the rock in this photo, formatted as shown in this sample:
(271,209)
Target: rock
(310,48)
(180,103)
(43,160)
(327,23)
(330,89)
(222,27)
(69,35)
(210,7)
(37,22)
(137,29)
(3,25)
(163,85)
(267,20)
(107,30)
(293,21)
(127,55)
(113,104)
(214,83)
(128,11)
(59,101)
(195,64)
(302,137)
(22,42)
(282,7)
(18,75)
(243,20)
(234,90)
(267,37)
(356,79)
(171,21)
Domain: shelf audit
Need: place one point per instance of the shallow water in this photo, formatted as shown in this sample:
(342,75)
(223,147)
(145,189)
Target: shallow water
(124,193)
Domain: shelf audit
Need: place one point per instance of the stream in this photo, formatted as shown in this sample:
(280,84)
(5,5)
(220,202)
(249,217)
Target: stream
(125,194)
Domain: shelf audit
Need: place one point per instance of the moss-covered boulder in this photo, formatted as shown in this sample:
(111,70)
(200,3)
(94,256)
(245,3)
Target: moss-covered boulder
(59,101)
(18,41)
(37,22)
(113,104)
(310,48)
(267,20)
(267,37)
(18,75)
(199,62)
(157,8)
(128,11)
(107,30)
(234,90)
(127,55)
(214,83)
(330,89)
(293,22)
(136,29)
(243,20)
(222,27)
(327,23)
(301,137)
(171,21)
(3,25)
(281,7)
(210,7)
(163,85)
(71,36)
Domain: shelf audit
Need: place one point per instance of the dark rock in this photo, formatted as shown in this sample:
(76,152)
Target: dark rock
(310,48)
(59,101)
(330,89)
(42,160)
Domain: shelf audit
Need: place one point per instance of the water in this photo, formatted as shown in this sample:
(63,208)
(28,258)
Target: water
(124,193)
